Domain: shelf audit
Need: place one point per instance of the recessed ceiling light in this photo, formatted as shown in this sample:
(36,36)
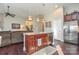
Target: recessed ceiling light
(56,6)
(30,18)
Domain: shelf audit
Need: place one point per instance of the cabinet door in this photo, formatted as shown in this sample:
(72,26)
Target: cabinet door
(44,39)
(67,18)
(30,44)
(78,16)
(1,21)
(5,39)
(50,38)
(74,16)
(17,37)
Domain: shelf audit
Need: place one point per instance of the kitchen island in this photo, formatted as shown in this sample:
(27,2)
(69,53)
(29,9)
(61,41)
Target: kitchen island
(36,41)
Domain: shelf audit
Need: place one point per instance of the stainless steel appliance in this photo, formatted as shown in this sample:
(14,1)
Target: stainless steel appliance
(71,32)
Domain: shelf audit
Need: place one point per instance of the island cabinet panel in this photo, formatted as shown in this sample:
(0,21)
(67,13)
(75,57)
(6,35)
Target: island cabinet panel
(44,39)
(50,37)
(41,40)
(30,43)
(36,42)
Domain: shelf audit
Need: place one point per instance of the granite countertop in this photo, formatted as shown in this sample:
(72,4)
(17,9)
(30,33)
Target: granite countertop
(32,33)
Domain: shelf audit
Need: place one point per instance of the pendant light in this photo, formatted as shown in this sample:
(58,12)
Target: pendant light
(30,18)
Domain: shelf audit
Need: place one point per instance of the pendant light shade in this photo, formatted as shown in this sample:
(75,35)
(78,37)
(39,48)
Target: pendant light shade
(30,18)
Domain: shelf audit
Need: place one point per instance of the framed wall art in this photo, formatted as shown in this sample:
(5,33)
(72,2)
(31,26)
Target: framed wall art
(48,24)
(15,26)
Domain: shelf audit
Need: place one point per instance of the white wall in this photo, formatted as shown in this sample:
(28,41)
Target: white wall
(35,26)
(49,17)
(9,20)
(69,8)
(58,24)
(56,18)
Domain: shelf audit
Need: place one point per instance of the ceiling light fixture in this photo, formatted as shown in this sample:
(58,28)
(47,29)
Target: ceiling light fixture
(56,6)
(8,13)
(37,20)
(30,18)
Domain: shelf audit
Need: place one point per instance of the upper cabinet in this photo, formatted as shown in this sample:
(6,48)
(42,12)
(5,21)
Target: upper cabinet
(68,17)
(75,15)
(71,17)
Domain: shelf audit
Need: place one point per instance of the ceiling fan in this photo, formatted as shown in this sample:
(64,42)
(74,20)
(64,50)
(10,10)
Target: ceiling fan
(8,13)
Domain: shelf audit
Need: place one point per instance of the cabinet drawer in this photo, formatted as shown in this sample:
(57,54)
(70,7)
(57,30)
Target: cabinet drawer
(67,17)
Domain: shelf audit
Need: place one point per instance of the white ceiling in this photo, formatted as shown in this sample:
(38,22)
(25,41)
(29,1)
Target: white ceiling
(24,10)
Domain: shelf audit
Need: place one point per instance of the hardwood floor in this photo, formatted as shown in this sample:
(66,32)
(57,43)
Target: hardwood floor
(71,49)
(17,49)
(68,49)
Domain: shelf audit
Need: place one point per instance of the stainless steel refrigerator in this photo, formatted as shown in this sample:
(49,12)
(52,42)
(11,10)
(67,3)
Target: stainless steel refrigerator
(71,32)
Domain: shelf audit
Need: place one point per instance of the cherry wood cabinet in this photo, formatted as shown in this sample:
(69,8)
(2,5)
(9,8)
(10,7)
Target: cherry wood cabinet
(75,15)
(31,41)
(71,17)
(68,17)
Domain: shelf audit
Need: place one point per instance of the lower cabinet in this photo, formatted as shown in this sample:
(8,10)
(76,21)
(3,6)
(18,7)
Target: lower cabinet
(8,38)
(5,40)
(17,37)
(35,42)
